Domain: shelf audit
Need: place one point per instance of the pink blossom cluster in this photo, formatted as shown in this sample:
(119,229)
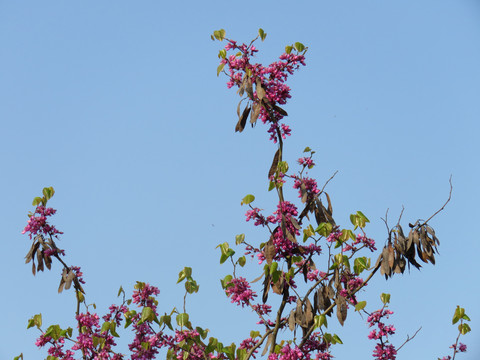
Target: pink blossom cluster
(383,350)
(313,274)
(259,218)
(248,344)
(239,290)
(78,273)
(312,345)
(350,283)
(279,179)
(195,351)
(310,186)
(144,296)
(334,236)
(272,79)
(88,325)
(89,328)
(361,239)
(316,343)
(115,313)
(461,348)
(56,348)
(287,353)
(37,223)
(306,162)
(284,246)
(262,309)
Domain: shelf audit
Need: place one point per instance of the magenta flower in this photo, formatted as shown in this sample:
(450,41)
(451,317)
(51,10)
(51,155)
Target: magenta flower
(239,290)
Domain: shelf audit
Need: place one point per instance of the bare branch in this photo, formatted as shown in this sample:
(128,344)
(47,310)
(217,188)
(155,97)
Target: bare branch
(409,338)
(331,177)
(400,217)
(386,221)
(448,200)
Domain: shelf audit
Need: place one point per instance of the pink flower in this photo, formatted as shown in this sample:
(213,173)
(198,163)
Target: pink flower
(37,223)
(239,290)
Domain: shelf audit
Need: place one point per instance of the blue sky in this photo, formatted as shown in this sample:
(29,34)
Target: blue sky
(118,107)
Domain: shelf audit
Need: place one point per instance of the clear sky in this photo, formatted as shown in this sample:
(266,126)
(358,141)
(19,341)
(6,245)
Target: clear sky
(118,107)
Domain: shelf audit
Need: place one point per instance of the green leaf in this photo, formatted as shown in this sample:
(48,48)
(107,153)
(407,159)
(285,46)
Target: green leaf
(464,328)
(37,201)
(139,285)
(324,229)
(167,320)
(358,220)
(360,264)
(288,49)
(80,296)
(203,333)
(113,329)
(283,167)
(147,315)
(239,239)
(307,149)
(225,281)
(120,291)
(48,193)
(385,298)
(105,326)
(220,68)
(347,234)
(247,199)
(254,334)
(188,271)
(320,320)
(54,331)
(191,286)
(307,232)
(222,54)
(241,354)
(241,261)
(459,313)
(273,267)
(219,34)
(299,46)
(18,357)
(182,319)
(226,252)
(360,305)
(262,34)
(36,320)
(181,276)
(271,186)
(336,339)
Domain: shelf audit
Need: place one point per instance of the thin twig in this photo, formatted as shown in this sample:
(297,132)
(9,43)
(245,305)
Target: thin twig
(386,221)
(331,177)
(448,200)
(409,338)
(400,217)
